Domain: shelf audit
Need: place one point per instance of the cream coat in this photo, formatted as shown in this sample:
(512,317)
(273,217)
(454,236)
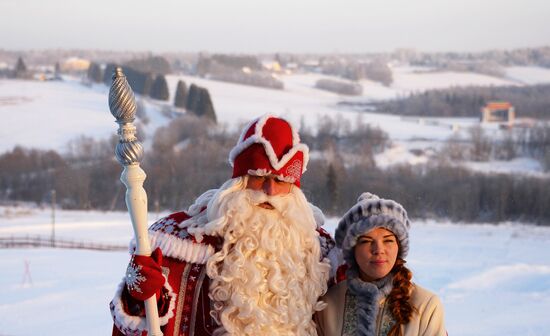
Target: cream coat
(428,321)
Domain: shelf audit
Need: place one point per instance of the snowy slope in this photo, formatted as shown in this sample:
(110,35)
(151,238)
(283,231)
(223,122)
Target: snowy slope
(492,280)
(48,114)
(409,79)
(529,75)
(526,166)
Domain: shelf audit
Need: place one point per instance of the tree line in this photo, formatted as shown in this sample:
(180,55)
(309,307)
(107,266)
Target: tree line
(376,69)
(529,101)
(189,156)
(438,192)
(520,57)
(241,69)
(479,146)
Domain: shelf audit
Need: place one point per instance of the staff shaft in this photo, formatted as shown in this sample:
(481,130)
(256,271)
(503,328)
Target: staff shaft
(129,153)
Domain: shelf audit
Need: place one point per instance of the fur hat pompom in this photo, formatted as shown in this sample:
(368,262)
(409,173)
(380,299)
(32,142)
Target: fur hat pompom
(367,196)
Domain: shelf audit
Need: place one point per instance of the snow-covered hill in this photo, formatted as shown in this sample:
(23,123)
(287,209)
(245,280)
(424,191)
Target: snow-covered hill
(47,115)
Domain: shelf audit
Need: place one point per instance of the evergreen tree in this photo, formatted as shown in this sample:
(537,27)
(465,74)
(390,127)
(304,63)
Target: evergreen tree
(140,82)
(160,88)
(94,73)
(192,98)
(20,68)
(108,73)
(57,71)
(181,92)
(206,106)
(153,64)
(200,103)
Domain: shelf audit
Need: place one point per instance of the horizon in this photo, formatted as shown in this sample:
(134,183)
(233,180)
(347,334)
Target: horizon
(161,52)
(243,26)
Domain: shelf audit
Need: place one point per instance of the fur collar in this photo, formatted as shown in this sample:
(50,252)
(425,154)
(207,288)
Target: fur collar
(368,295)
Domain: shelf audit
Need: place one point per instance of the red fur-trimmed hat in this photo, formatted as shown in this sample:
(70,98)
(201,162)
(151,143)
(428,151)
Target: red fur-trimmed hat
(270,146)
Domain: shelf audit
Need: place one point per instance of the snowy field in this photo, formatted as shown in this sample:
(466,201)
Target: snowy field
(492,280)
(47,115)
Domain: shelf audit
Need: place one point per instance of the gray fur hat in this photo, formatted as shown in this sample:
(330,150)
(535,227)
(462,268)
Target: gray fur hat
(369,213)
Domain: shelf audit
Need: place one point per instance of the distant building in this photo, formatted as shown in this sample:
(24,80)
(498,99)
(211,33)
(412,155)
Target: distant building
(75,64)
(498,112)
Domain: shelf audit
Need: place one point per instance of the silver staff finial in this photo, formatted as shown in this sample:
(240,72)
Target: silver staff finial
(122,104)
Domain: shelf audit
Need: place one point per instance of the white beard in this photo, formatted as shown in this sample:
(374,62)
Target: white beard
(268,276)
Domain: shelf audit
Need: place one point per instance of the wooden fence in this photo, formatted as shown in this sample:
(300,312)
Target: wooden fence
(29,241)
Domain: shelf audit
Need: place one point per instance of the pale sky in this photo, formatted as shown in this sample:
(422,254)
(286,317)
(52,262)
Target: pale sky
(284,25)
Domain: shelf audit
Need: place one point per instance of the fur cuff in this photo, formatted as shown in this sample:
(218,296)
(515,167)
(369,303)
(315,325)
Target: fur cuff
(131,324)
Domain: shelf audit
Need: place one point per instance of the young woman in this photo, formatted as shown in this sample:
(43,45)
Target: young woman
(378,297)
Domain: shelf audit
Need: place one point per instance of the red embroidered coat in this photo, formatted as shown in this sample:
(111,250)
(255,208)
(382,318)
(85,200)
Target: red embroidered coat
(184,306)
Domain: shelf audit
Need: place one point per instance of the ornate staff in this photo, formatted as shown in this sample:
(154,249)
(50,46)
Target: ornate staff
(129,153)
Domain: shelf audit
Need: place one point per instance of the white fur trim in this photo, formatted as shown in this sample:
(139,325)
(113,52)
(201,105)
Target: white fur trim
(139,323)
(122,318)
(317,215)
(257,137)
(182,249)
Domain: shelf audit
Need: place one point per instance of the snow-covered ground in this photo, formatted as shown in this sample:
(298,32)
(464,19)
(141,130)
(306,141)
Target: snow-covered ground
(492,280)
(528,75)
(410,79)
(48,114)
(526,166)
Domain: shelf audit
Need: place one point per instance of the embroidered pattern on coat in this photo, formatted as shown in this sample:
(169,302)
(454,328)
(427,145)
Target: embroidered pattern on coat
(349,327)
(326,242)
(171,226)
(181,297)
(198,280)
(386,320)
(191,281)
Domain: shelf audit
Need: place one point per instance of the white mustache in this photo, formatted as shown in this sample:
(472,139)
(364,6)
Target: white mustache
(279,202)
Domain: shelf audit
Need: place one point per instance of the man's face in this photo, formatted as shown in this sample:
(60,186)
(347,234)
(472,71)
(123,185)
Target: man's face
(269,185)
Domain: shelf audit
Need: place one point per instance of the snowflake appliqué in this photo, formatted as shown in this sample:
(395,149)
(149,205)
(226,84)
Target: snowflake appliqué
(295,169)
(134,277)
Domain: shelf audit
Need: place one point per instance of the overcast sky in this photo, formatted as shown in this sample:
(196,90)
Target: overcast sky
(283,25)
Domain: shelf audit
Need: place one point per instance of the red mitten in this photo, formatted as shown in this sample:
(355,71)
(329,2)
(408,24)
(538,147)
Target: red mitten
(144,275)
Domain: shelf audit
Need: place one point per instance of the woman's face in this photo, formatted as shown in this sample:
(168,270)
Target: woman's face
(376,253)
